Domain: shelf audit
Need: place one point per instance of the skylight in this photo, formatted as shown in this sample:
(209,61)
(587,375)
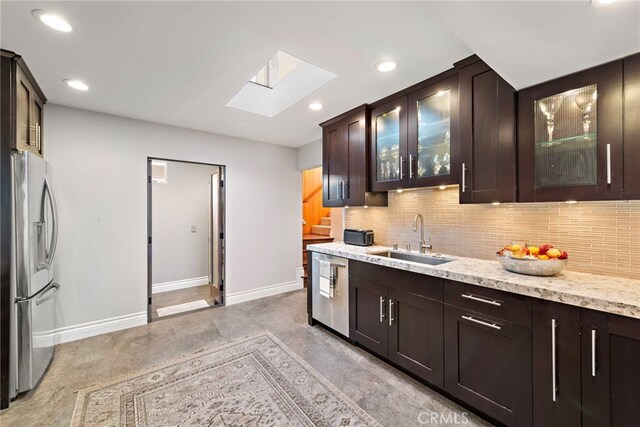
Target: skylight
(280,83)
(279,66)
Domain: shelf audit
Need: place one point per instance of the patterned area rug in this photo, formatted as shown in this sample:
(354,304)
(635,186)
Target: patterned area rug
(253,381)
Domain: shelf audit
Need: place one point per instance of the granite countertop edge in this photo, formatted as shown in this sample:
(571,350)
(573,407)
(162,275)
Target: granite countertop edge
(609,294)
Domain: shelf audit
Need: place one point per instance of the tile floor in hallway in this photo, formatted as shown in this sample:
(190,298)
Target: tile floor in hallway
(391,397)
(180,296)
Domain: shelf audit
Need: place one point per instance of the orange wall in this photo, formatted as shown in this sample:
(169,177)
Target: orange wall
(312,210)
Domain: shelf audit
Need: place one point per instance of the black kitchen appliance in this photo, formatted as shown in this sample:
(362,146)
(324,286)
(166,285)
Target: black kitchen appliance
(358,237)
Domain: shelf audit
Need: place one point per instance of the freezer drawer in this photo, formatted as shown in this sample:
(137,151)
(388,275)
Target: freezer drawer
(36,319)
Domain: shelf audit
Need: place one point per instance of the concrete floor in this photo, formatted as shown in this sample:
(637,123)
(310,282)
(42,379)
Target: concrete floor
(180,296)
(391,397)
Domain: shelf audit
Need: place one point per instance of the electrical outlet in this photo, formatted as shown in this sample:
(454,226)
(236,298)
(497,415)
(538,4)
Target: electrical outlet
(193,228)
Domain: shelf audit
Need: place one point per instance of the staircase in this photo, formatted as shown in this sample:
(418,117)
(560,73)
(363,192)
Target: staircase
(324,228)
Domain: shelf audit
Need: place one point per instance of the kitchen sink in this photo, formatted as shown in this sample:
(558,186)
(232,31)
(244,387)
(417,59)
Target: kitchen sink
(406,256)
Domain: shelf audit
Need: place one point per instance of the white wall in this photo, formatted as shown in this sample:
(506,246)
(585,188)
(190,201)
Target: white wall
(309,156)
(182,202)
(99,172)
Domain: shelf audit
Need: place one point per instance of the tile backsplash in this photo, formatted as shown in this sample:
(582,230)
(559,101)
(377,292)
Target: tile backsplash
(600,237)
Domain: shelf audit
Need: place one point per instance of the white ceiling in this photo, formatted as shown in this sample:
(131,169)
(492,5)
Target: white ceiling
(529,42)
(179,63)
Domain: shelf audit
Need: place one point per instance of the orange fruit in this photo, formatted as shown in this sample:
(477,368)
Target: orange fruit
(534,250)
(543,257)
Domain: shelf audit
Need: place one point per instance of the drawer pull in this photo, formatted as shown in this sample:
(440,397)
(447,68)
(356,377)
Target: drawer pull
(381,309)
(480,299)
(391,314)
(482,322)
(593,352)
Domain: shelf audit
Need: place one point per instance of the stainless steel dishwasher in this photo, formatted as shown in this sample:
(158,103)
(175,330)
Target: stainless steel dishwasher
(331,310)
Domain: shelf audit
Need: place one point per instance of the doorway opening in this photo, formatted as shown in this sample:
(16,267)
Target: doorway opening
(185,228)
(319,224)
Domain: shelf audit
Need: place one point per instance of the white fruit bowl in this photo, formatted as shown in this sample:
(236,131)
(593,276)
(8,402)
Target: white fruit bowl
(532,267)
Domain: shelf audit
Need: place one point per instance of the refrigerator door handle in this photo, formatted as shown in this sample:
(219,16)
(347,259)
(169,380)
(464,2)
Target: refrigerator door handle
(40,294)
(51,251)
(48,295)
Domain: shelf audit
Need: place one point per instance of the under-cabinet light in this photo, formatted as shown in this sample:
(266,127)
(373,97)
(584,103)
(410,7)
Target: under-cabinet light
(570,202)
(443,187)
(496,203)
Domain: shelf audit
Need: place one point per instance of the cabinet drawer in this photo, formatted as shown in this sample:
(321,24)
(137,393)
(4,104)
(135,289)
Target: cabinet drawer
(502,305)
(413,283)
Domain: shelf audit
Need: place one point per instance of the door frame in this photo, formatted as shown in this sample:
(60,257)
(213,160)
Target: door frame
(222,230)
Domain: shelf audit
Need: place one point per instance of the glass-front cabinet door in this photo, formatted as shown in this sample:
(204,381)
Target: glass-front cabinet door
(389,146)
(432,134)
(570,137)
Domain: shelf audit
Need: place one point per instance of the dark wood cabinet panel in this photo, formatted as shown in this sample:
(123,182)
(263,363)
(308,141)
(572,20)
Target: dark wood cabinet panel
(610,370)
(632,127)
(567,157)
(556,364)
(368,311)
(488,364)
(344,162)
(487,136)
(416,335)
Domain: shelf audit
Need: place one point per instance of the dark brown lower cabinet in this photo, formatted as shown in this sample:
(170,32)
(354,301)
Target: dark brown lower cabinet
(610,370)
(368,315)
(488,364)
(416,335)
(396,321)
(556,364)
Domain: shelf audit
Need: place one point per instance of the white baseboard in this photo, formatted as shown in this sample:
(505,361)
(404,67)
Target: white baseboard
(267,291)
(157,288)
(90,329)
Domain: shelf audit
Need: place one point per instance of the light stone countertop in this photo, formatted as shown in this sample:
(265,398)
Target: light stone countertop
(604,293)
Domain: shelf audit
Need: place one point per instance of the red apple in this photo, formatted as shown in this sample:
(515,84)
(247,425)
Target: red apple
(563,255)
(544,248)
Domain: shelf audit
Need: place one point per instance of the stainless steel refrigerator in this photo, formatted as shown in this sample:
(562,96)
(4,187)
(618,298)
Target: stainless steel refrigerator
(33,285)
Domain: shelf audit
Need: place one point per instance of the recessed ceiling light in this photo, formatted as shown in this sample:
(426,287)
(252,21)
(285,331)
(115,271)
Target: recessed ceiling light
(385,65)
(76,84)
(51,20)
(315,106)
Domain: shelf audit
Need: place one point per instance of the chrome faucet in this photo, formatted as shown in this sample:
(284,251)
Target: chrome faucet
(423,245)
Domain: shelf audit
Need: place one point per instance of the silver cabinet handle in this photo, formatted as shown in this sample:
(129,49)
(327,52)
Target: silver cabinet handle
(482,322)
(410,166)
(401,167)
(381,309)
(554,385)
(480,299)
(608,163)
(593,352)
(391,318)
(345,189)
(464,181)
(340,190)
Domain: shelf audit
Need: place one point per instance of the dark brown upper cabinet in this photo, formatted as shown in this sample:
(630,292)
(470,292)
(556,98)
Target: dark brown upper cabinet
(414,137)
(487,135)
(24,102)
(389,150)
(632,127)
(570,143)
(344,163)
